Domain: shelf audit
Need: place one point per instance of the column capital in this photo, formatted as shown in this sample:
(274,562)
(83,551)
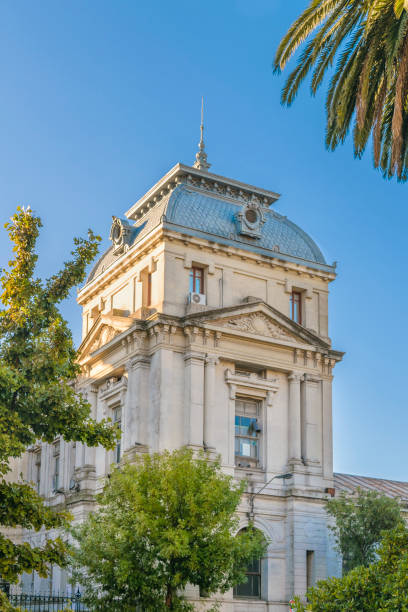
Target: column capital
(211,360)
(137,361)
(194,355)
(269,397)
(311,378)
(295,377)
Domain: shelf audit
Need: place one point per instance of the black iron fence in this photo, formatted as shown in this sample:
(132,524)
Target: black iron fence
(48,603)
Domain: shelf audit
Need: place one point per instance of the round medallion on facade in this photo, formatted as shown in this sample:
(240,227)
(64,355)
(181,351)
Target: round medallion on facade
(250,219)
(119,234)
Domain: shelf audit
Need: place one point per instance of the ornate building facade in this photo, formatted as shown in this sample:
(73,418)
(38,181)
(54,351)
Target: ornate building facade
(206,324)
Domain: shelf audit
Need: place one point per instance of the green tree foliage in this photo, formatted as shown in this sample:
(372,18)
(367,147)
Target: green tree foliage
(380,587)
(37,398)
(368,88)
(165,521)
(360,523)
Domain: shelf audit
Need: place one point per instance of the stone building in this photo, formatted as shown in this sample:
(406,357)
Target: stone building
(206,324)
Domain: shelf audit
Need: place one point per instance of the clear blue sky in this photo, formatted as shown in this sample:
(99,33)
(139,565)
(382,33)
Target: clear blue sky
(100,98)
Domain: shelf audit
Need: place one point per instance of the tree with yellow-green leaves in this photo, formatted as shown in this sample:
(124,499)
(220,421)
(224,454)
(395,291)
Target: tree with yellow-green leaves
(367,42)
(37,398)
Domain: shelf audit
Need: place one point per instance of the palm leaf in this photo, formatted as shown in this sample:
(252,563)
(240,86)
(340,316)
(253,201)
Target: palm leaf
(399,6)
(367,40)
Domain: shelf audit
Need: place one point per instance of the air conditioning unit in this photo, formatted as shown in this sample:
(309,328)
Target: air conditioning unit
(197,298)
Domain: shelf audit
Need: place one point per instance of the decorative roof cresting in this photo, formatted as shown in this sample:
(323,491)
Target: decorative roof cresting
(201,156)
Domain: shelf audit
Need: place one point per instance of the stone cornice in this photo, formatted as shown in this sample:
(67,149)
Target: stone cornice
(189,175)
(239,381)
(146,336)
(160,234)
(243,251)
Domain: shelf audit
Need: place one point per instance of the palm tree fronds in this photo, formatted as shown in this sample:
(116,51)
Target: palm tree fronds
(367,42)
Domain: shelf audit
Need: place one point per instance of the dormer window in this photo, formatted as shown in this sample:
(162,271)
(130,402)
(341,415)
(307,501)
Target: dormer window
(197,280)
(296,307)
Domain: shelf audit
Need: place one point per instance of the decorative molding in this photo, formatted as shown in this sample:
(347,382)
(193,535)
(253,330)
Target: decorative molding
(211,360)
(295,378)
(194,357)
(105,335)
(202,179)
(268,386)
(113,390)
(120,235)
(251,218)
(256,323)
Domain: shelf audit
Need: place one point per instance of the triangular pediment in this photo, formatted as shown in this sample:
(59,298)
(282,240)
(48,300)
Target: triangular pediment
(256,323)
(105,329)
(259,319)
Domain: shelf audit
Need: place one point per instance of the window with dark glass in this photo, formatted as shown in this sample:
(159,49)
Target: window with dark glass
(296,307)
(56,474)
(309,568)
(196,280)
(37,470)
(252,586)
(117,419)
(247,430)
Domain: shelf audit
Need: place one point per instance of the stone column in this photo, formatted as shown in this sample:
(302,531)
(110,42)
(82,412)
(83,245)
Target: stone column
(326,386)
(135,409)
(311,421)
(294,418)
(231,421)
(210,406)
(167,418)
(194,398)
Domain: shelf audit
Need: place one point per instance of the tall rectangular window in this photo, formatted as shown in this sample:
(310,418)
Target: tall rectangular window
(117,419)
(252,586)
(296,307)
(37,470)
(309,568)
(247,432)
(196,280)
(56,471)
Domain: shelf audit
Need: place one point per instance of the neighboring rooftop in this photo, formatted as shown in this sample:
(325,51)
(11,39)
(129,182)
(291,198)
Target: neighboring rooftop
(350,483)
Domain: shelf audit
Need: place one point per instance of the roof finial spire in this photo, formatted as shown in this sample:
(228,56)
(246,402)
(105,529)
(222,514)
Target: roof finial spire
(201,157)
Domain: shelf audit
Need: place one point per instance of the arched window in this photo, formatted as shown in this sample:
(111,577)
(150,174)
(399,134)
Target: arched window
(252,587)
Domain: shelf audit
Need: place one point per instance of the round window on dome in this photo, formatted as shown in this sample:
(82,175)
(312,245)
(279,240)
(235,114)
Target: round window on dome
(116,233)
(251,215)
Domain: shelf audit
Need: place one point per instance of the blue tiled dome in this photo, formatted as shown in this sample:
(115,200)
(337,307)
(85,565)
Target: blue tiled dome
(214,217)
(205,215)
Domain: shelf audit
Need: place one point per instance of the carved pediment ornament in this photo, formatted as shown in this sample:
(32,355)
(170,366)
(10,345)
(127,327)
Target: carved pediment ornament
(257,323)
(106,334)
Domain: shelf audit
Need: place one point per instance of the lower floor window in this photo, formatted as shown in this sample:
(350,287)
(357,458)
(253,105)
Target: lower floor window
(252,586)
